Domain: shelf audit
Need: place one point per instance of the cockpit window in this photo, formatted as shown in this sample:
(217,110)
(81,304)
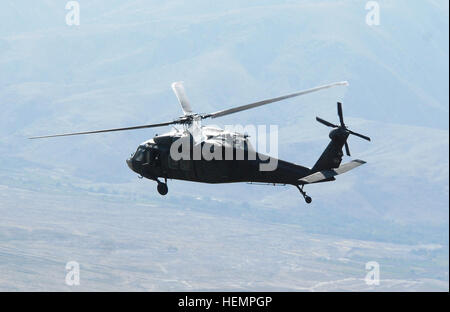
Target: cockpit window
(139,155)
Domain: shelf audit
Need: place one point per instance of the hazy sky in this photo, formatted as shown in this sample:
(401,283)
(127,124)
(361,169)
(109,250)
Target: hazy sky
(115,68)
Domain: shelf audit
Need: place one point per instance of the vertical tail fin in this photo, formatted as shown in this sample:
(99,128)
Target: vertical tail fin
(332,155)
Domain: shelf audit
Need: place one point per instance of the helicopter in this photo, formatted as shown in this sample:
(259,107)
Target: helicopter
(154,159)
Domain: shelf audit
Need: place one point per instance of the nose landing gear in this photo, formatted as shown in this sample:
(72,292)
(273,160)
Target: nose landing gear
(162,187)
(308,199)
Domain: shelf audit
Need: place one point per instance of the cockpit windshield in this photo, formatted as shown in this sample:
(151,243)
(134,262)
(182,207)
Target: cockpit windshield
(147,154)
(140,153)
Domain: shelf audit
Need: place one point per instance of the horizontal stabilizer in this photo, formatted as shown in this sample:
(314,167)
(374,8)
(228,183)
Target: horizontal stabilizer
(330,173)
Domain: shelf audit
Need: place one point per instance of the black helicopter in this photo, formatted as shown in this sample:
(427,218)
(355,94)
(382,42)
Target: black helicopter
(154,159)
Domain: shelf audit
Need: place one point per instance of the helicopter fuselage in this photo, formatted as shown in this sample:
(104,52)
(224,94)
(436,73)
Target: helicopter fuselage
(153,160)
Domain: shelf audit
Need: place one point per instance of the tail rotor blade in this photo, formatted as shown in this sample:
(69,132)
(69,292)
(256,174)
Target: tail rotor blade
(342,128)
(340,114)
(347,149)
(326,123)
(359,135)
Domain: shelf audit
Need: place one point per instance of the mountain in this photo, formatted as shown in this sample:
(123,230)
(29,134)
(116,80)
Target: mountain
(115,69)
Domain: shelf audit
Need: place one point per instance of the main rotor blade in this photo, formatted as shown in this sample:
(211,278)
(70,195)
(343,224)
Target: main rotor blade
(347,149)
(359,135)
(340,114)
(326,123)
(178,88)
(268,101)
(107,130)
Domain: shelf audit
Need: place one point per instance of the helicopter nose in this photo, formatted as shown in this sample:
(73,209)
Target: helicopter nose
(130,164)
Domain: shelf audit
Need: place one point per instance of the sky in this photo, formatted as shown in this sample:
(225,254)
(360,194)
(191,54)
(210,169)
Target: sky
(74,199)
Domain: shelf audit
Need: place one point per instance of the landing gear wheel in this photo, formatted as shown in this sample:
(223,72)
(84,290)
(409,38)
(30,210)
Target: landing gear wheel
(162,188)
(308,199)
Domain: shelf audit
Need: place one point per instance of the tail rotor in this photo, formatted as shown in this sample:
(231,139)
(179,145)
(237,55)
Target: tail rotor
(342,126)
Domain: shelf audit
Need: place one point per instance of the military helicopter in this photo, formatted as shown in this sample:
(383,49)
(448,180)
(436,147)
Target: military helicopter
(154,159)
